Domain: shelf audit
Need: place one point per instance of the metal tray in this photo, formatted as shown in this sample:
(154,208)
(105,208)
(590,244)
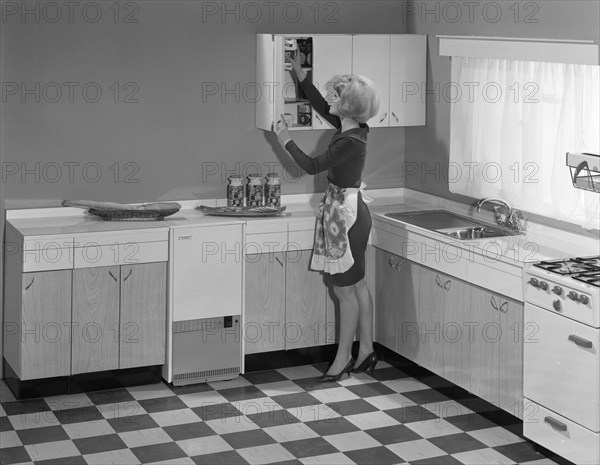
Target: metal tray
(241,211)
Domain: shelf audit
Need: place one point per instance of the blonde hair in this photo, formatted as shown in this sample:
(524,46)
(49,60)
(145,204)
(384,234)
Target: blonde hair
(359,99)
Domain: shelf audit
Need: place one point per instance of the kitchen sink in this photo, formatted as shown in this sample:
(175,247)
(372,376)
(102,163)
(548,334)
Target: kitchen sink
(451,224)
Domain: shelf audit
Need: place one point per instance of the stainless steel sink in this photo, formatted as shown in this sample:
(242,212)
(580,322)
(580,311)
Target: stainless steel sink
(453,225)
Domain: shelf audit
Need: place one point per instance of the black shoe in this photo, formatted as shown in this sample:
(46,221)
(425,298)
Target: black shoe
(328,378)
(368,364)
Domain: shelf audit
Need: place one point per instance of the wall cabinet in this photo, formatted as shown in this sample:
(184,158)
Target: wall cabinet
(396,63)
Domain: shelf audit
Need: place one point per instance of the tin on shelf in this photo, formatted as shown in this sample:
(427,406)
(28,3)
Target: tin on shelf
(254,191)
(235,191)
(272,190)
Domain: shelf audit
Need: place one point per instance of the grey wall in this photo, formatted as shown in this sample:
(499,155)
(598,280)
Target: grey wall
(427,147)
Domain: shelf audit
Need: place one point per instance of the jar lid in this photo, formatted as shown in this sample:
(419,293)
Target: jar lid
(272,175)
(253,178)
(235,177)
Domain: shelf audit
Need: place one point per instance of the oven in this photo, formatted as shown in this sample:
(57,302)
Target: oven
(561,361)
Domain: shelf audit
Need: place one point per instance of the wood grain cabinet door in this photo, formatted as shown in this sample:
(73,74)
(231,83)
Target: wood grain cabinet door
(305,302)
(265,302)
(432,299)
(95,345)
(407,314)
(386,296)
(510,374)
(143,314)
(46,324)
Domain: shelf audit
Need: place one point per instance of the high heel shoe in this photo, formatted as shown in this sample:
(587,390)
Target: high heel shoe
(325,378)
(367,365)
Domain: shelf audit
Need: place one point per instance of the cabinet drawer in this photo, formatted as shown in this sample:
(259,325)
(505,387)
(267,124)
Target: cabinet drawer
(47,257)
(265,243)
(119,253)
(301,240)
(487,276)
(566,438)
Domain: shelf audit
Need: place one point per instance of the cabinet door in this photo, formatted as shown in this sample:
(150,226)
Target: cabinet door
(95,345)
(371,58)
(386,294)
(431,320)
(510,375)
(407,324)
(305,310)
(455,331)
(143,314)
(485,352)
(408,70)
(265,302)
(332,56)
(46,324)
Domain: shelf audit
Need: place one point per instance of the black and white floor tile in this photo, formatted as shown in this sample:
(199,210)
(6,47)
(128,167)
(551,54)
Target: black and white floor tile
(277,416)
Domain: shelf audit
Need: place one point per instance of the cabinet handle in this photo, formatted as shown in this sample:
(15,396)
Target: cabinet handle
(394,115)
(396,265)
(383,117)
(581,341)
(493,302)
(278,261)
(112,276)
(30,284)
(560,426)
(437,280)
(447,285)
(128,274)
(504,307)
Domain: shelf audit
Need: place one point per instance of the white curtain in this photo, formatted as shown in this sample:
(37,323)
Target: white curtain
(512,124)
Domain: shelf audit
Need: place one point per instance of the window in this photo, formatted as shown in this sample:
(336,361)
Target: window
(513,122)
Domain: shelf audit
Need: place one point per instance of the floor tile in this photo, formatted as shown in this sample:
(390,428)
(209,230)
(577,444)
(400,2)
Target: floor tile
(371,420)
(9,439)
(443,460)
(470,422)
(364,390)
(335,425)
(190,389)
(263,377)
(5,424)
(433,428)
(352,441)
(33,420)
(241,393)
(405,385)
(145,437)
(300,399)
(299,372)
(328,459)
(99,444)
(317,412)
(240,381)
(216,411)
(334,394)
(24,407)
(52,450)
(290,432)
(229,457)
(174,417)
(40,435)
(189,431)
(68,402)
(495,436)
(411,451)
(309,447)
(410,414)
(482,457)
(75,460)
(161,404)
(150,391)
(389,401)
(374,456)
(393,434)
(110,396)
(122,456)
(133,423)
(17,454)
(520,452)
(425,396)
(231,424)
(448,408)
(88,429)
(5,394)
(273,418)
(121,410)
(352,407)
(271,453)
(455,443)
(158,452)
(204,445)
(78,414)
(390,373)
(250,438)
(279,388)
(202,398)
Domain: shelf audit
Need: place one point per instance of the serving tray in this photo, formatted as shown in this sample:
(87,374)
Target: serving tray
(241,211)
(118,215)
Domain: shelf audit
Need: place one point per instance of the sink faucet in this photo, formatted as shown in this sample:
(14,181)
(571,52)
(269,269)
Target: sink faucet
(510,218)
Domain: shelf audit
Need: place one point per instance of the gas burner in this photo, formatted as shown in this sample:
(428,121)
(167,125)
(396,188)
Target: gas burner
(570,266)
(592,278)
(591,261)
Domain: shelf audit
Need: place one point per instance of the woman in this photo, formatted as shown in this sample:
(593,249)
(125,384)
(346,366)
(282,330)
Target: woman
(344,221)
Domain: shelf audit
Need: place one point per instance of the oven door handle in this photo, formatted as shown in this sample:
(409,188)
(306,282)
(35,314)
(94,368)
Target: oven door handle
(581,341)
(555,424)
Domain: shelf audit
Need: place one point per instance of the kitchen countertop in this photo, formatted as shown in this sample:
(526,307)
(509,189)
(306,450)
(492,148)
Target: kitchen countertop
(537,243)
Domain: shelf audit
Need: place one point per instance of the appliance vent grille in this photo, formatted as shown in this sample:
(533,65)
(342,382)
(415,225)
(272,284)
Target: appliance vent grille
(206,373)
(207,324)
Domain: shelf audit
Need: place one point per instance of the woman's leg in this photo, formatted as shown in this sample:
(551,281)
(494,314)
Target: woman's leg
(349,310)
(365,320)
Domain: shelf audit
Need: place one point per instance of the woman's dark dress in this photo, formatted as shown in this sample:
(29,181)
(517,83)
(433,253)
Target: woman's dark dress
(344,160)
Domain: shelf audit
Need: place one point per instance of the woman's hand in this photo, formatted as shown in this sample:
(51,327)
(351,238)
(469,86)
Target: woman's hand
(281,129)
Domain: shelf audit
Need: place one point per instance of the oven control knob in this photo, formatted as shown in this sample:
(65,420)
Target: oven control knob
(534,282)
(556,305)
(557,290)
(543,285)
(573,295)
(584,299)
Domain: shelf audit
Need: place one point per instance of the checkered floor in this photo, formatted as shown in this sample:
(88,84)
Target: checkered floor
(276,416)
